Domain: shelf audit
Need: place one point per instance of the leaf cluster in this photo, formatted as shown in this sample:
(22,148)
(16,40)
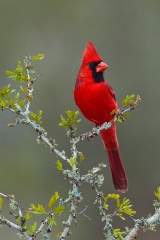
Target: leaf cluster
(129,100)
(70,120)
(5,96)
(56,209)
(40,209)
(39,57)
(37,210)
(7,100)
(31,230)
(23,74)
(19,74)
(122,207)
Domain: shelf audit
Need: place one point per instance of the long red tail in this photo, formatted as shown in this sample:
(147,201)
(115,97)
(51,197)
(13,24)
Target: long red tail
(111,145)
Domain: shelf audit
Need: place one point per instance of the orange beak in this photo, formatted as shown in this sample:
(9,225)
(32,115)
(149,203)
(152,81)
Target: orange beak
(101,67)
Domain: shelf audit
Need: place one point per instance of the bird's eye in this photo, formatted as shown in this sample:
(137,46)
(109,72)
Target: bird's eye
(91,64)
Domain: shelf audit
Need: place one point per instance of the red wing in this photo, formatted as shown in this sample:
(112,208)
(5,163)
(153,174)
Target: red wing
(111,92)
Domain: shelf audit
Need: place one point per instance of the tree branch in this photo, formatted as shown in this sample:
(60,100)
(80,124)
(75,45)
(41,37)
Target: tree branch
(143,225)
(15,226)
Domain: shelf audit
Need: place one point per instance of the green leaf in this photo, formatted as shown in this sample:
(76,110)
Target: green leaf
(59,165)
(13,105)
(58,209)
(36,117)
(114,112)
(5,92)
(118,234)
(126,114)
(39,57)
(120,118)
(24,90)
(1,201)
(32,229)
(9,73)
(105,205)
(37,210)
(128,100)
(21,103)
(27,216)
(157,194)
(81,156)
(113,196)
(3,104)
(63,122)
(120,215)
(16,96)
(52,222)
(72,161)
(53,200)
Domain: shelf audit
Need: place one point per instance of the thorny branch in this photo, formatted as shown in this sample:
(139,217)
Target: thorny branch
(42,136)
(143,224)
(11,224)
(75,177)
(75,193)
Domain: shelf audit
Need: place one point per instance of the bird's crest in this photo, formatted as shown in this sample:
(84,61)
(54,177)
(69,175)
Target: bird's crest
(90,54)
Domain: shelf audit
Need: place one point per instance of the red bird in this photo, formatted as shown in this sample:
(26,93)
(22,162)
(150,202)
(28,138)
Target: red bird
(96,100)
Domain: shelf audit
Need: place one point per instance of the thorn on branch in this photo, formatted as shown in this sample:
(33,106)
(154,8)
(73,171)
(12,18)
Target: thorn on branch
(82,213)
(38,76)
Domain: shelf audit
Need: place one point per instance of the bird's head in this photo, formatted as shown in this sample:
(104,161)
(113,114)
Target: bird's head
(92,66)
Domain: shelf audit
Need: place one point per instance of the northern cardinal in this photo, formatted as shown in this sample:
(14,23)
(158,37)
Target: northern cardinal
(96,100)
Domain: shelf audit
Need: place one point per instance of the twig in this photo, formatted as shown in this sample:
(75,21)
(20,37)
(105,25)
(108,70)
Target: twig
(94,132)
(84,215)
(15,226)
(69,221)
(11,198)
(148,222)
(30,89)
(72,215)
(43,223)
(3,195)
(91,173)
(38,129)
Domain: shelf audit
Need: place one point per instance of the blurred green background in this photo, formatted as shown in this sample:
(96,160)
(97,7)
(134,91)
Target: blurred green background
(127,35)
